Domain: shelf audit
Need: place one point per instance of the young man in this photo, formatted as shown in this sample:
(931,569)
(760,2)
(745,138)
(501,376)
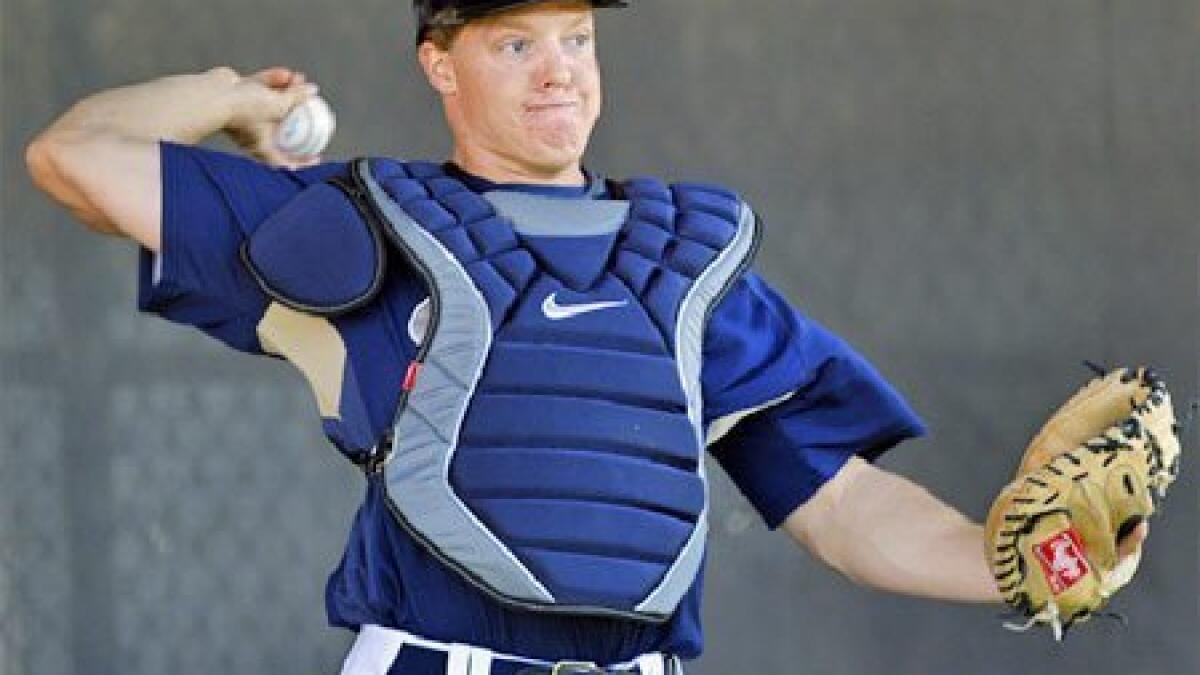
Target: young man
(620,331)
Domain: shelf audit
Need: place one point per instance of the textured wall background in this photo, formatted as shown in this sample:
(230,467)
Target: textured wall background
(952,185)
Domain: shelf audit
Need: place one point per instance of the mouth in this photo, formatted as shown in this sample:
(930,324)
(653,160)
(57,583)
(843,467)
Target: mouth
(551,106)
(558,124)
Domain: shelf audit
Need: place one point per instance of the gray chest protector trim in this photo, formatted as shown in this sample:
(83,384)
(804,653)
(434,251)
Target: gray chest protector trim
(426,430)
(536,215)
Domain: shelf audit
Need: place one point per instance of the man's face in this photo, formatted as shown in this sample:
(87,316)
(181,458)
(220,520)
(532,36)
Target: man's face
(522,88)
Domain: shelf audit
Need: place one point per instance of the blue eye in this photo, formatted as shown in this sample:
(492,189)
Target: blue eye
(515,47)
(580,40)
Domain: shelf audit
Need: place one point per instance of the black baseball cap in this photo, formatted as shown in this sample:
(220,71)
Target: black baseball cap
(445,13)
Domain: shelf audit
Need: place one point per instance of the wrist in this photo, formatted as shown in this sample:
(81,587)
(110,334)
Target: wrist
(208,103)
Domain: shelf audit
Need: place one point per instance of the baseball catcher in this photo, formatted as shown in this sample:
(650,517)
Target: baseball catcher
(530,363)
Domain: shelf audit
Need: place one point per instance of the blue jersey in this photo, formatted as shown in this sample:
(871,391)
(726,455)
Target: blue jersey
(786,403)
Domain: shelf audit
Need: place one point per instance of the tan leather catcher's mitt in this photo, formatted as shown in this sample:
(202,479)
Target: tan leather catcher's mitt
(1087,479)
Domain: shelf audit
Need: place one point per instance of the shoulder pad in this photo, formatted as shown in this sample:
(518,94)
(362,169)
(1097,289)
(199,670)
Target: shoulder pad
(320,253)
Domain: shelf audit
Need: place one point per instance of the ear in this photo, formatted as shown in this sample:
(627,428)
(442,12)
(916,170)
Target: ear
(438,67)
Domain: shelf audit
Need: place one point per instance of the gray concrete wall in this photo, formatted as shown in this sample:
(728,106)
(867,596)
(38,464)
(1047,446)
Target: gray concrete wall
(977,194)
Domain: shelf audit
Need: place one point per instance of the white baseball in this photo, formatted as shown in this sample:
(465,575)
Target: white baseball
(306,129)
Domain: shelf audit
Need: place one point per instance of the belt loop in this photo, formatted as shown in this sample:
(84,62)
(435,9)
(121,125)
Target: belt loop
(481,661)
(458,660)
(651,664)
(374,652)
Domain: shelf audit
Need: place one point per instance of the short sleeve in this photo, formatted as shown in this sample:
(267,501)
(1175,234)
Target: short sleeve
(788,402)
(211,202)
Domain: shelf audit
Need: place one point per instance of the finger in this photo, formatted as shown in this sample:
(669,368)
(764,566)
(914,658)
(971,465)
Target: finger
(285,100)
(226,73)
(275,158)
(1130,543)
(309,162)
(274,104)
(294,78)
(275,77)
(301,93)
(268,153)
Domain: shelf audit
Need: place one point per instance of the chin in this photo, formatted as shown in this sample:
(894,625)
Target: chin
(560,137)
(554,166)
(556,157)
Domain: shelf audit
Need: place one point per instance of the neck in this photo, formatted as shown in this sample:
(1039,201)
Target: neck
(505,170)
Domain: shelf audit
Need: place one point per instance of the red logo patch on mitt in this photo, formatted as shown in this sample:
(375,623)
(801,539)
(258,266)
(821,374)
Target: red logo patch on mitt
(1063,561)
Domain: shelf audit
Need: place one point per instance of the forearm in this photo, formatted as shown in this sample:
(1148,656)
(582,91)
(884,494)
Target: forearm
(181,108)
(884,531)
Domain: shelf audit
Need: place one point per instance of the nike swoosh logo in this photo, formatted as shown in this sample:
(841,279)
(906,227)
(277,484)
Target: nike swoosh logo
(557,312)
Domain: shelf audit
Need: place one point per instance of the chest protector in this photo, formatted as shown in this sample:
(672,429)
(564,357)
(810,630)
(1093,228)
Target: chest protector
(549,445)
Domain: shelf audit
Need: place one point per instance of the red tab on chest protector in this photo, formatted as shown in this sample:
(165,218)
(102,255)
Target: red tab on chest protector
(1063,561)
(410,376)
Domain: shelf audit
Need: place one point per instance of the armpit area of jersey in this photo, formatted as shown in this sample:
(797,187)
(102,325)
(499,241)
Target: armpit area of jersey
(780,456)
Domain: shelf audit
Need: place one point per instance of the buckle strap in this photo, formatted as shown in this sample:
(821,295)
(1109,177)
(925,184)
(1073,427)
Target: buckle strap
(567,668)
(646,664)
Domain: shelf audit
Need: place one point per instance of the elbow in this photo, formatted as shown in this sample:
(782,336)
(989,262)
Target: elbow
(51,159)
(39,161)
(837,524)
(46,159)
(853,574)
(815,528)
(834,555)
(840,556)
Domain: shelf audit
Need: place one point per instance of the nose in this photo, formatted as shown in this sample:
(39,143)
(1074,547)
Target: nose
(556,69)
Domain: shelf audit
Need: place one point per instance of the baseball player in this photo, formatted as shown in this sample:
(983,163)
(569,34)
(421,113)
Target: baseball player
(526,358)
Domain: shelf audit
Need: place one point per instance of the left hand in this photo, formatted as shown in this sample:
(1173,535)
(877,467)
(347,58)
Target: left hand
(1068,533)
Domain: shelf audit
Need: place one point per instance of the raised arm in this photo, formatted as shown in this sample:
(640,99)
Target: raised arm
(100,159)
